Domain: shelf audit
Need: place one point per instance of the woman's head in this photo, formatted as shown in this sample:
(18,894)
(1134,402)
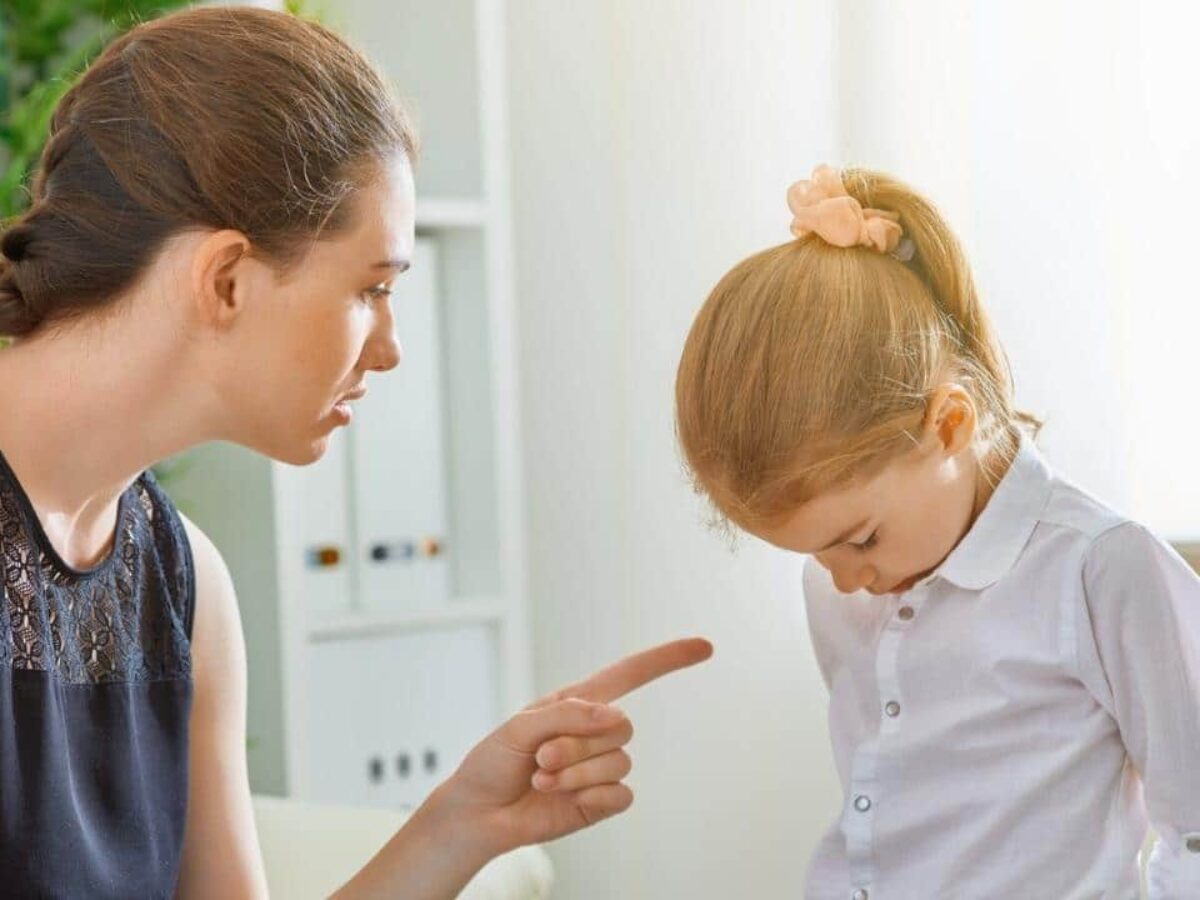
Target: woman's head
(813,372)
(264,133)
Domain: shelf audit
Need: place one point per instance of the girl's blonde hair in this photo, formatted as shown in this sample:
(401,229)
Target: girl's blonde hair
(811,364)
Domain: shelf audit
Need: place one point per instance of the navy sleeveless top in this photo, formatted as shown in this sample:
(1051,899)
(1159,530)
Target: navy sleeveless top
(95,692)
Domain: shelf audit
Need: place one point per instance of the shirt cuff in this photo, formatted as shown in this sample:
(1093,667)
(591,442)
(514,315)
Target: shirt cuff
(1174,869)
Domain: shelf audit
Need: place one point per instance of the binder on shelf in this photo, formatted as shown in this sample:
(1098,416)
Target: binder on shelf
(317,516)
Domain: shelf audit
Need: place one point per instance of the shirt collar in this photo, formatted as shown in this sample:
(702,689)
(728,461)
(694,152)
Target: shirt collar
(994,542)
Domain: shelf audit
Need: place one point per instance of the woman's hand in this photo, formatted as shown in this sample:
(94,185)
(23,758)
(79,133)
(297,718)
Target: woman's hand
(557,766)
(550,770)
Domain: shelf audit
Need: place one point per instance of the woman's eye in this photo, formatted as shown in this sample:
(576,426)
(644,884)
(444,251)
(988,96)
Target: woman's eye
(868,543)
(379,292)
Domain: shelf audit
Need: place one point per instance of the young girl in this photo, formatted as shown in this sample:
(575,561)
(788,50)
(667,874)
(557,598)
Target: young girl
(1014,669)
(223,204)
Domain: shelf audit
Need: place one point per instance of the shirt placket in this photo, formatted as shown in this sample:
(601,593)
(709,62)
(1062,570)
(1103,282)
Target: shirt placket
(865,794)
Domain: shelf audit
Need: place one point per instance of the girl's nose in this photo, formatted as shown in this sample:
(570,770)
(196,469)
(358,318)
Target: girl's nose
(853,579)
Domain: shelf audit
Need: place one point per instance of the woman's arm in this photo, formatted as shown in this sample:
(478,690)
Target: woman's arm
(571,740)
(221,856)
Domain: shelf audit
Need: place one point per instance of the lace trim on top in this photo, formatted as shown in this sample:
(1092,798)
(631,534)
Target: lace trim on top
(125,620)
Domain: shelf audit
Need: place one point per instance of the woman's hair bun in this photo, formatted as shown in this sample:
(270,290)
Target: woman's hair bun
(14,244)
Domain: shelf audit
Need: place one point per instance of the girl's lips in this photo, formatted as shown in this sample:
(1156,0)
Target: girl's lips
(909,583)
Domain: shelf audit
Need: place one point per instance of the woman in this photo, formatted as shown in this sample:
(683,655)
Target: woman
(223,204)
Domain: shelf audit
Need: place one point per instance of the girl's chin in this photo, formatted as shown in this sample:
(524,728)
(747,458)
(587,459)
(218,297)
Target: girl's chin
(898,588)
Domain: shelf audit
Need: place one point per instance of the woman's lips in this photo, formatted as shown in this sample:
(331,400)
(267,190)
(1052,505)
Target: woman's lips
(342,410)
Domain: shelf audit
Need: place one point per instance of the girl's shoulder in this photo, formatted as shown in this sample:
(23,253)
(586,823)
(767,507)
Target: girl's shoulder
(1070,506)
(1111,545)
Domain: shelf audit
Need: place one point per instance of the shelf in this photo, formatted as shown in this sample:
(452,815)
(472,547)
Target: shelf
(374,623)
(440,212)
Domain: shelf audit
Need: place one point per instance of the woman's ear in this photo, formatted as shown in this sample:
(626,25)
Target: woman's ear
(951,419)
(218,290)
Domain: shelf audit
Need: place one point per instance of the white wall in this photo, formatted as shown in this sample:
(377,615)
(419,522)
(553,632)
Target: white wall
(653,142)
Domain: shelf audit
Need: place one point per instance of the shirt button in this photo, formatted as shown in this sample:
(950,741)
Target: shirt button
(860,894)
(862,802)
(906,613)
(1193,843)
(892,709)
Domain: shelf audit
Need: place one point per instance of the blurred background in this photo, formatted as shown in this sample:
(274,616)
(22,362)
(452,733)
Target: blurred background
(510,511)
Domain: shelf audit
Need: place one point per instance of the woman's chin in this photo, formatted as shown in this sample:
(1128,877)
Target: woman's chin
(309,453)
(299,451)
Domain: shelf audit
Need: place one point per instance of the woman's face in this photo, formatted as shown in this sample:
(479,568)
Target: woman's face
(298,354)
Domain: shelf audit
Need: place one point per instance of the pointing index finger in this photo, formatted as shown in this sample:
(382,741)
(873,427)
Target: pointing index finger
(623,677)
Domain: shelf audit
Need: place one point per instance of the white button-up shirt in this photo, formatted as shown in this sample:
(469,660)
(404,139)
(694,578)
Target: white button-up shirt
(1007,728)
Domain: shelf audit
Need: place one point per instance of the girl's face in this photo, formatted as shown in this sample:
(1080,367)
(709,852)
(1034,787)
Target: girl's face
(295,356)
(885,533)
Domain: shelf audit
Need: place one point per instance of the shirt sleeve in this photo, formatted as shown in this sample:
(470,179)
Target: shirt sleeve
(1143,601)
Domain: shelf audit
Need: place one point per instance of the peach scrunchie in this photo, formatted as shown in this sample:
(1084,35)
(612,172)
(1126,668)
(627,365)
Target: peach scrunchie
(821,206)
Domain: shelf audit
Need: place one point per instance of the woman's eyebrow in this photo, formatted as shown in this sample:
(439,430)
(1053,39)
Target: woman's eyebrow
(401,265)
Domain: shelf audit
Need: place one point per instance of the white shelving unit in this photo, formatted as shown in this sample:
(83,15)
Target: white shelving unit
(438,213)
(372,674)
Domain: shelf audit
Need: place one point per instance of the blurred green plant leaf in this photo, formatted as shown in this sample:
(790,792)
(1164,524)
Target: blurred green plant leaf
(44,46)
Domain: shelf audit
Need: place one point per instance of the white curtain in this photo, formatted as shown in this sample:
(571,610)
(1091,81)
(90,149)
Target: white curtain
(1061,139)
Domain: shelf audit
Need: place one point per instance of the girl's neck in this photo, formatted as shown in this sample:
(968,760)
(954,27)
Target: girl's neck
(991,471)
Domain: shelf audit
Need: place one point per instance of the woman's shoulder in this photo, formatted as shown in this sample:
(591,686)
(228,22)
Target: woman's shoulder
(217,620)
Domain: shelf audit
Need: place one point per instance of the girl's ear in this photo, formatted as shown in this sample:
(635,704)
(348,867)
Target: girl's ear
(951,419)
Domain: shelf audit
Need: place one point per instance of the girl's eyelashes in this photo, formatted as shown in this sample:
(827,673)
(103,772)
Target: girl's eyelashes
(869,542)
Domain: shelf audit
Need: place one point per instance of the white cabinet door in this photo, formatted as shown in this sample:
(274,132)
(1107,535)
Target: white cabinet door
(390,717)
(399,458)
(314,530)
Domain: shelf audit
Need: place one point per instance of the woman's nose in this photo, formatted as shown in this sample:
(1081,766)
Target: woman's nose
(384,352)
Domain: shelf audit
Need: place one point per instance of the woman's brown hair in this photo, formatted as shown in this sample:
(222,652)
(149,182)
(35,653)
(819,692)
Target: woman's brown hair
(215,118)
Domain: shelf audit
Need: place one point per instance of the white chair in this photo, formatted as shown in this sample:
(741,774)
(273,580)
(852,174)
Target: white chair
(310,850)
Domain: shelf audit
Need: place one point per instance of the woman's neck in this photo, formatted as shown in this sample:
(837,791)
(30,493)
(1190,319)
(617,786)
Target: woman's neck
(84,411)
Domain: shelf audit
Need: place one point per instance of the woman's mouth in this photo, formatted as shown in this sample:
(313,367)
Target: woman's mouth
(342,410)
